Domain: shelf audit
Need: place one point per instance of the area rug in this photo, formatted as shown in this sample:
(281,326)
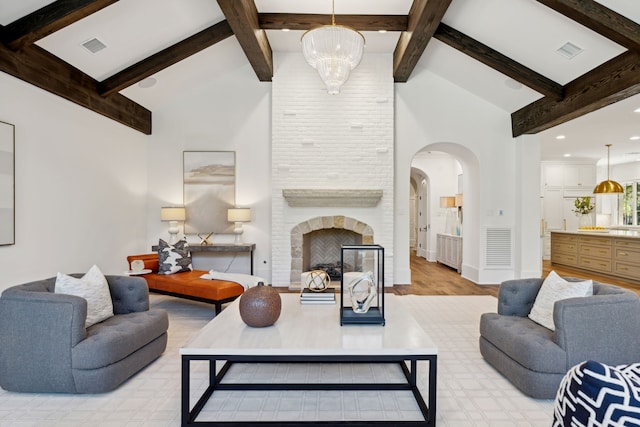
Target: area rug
(470,392)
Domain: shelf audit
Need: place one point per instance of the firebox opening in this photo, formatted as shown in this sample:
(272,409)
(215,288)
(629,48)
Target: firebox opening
(321,250)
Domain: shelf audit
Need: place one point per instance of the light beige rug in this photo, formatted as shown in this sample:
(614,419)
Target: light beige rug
(470,393)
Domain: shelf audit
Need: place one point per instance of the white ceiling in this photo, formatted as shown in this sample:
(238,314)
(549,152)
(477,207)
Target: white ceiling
(523,30)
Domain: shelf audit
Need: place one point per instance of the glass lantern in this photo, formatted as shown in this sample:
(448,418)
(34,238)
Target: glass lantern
(362,284)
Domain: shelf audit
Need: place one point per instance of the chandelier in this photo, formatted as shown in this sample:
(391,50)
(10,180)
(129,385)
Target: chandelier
(333,50)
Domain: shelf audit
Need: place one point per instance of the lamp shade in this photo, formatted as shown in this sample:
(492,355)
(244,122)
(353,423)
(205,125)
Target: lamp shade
(239,215)
(608,186)
(172,214)
(458,200)
(447,202)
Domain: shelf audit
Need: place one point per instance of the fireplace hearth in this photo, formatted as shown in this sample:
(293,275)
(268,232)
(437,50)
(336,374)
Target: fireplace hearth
(318,242)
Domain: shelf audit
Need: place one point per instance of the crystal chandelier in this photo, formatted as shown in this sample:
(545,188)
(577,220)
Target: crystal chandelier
(333,50)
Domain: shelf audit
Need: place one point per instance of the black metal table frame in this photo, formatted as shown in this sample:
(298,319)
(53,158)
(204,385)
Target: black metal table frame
(189,416)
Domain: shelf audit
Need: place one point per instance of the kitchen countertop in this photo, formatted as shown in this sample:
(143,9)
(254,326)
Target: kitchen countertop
(632,234)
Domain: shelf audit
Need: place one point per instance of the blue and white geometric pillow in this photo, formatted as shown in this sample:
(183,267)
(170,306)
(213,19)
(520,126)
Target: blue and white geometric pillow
(174,258)
(596,395)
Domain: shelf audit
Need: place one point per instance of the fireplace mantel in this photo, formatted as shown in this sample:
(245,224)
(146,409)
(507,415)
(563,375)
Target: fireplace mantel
(311,198)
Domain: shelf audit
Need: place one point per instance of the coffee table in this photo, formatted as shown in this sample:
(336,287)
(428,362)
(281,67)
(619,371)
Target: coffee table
(308,334)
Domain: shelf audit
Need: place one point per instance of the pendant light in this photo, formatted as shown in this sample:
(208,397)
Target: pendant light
(608,186)
(333,50)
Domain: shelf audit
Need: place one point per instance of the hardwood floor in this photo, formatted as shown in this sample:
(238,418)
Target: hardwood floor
(431,278)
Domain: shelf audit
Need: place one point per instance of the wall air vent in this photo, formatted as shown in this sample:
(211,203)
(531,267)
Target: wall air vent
(569,50)
(499,248)
(94,45)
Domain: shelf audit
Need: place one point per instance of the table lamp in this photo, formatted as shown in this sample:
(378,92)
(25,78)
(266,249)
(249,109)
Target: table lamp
(173,215)
(238,216)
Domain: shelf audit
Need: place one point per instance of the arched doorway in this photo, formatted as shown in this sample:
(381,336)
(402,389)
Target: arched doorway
(439,170)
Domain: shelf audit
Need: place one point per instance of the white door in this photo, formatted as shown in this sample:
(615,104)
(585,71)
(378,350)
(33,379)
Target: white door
(422,249)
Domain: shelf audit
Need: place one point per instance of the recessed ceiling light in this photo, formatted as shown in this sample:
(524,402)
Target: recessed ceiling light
(566,155)
(148,82)
(560,137)
(635,137)
(286,30)
(637,110)
(94,45)
(382,31)
(569,50)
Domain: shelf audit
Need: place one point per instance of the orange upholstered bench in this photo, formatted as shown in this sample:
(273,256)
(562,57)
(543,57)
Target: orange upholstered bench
(188,284)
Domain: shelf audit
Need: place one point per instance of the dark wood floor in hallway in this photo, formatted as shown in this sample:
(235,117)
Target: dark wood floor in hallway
(431,278)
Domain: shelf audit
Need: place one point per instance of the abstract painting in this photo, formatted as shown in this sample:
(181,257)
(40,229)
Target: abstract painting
(7,184)
(209,190)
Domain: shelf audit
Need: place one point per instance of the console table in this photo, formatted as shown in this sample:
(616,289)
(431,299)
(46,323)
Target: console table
(449,250)
(401,342)
(222,247)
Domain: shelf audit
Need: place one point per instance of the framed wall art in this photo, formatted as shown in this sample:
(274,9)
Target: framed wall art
(209,190)
(7,184)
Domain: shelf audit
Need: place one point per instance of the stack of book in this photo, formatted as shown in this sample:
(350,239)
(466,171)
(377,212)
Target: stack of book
(328,296)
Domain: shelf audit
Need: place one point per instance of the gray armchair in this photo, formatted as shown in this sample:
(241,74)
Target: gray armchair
(45,346)
(602,327)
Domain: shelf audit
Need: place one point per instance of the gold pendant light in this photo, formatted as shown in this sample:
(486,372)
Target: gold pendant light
(608,186)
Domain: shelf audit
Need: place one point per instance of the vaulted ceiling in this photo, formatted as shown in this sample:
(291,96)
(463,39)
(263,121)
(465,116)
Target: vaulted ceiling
(504,51)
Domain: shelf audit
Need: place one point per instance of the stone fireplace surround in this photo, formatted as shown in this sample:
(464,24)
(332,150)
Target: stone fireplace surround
(321,223)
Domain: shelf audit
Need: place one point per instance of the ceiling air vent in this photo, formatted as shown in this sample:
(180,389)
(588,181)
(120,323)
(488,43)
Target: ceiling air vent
(569,50)
(94,45)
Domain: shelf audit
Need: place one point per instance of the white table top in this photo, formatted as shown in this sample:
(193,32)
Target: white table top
(306,329)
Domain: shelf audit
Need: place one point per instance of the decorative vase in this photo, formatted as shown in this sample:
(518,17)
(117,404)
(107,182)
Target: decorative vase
(362,292)
(260,306)
(585,220)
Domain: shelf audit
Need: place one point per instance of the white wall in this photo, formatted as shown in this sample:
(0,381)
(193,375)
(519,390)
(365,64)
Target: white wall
(228,113)
(433,113)
(80,187)
(323,141)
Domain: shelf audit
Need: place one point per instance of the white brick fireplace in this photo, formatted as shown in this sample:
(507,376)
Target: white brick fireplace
(333,158)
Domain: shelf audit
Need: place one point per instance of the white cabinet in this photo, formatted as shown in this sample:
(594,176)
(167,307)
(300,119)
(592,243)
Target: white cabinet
(552,175)
(553,209)
(582,176)
(449,250)
(561,184)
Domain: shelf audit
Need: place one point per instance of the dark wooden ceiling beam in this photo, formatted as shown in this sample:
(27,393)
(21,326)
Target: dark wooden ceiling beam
(297,21)
(498,61)
(242,16)
(423,20)
(165,58)
(38,67)
(49,19)
(600,19)
(611,82)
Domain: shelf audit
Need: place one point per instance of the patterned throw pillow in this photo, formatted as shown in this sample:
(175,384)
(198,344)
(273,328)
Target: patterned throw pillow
(174,258)
(594,394)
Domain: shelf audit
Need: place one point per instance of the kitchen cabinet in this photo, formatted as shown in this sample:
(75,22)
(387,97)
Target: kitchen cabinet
(562,183)
(581,176)
(616,253)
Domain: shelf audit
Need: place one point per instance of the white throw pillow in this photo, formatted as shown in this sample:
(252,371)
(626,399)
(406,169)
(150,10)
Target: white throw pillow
(555,288)
(94,288)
